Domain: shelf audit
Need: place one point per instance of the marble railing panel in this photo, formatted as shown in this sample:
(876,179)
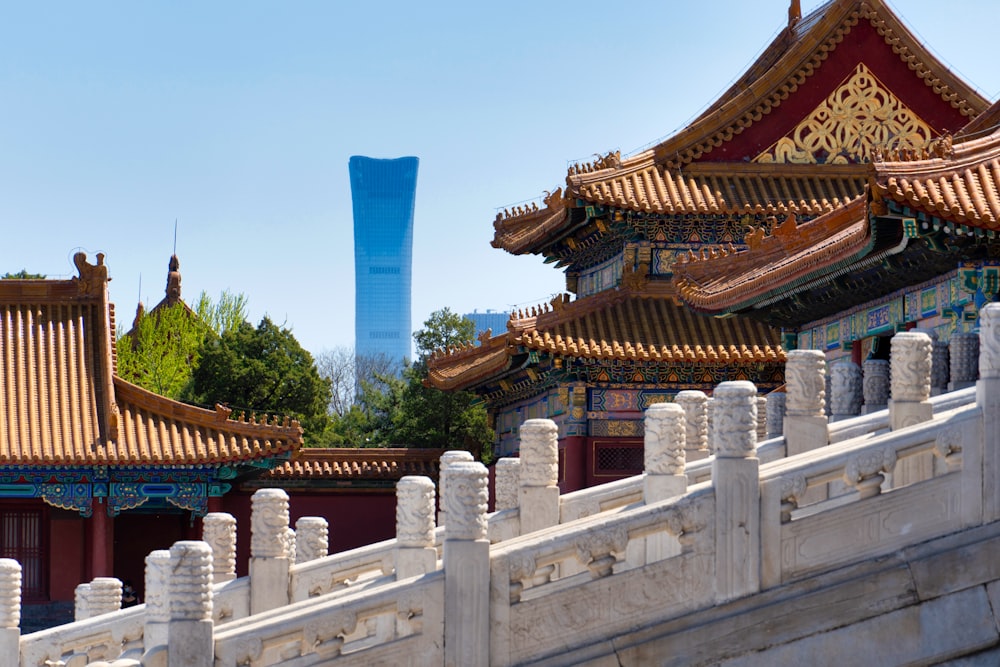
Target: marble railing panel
(104,637)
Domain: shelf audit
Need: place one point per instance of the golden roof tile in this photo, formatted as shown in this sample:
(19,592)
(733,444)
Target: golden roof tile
(60,403)
(358,464)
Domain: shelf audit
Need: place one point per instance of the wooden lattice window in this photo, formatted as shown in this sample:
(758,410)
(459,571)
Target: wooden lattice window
(618,459)
(22,537)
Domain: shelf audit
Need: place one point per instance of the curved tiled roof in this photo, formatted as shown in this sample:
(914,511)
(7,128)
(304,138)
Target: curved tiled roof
(673,177)
(60,403)
(776,263)
(624,324)
(358,464)
(961,184)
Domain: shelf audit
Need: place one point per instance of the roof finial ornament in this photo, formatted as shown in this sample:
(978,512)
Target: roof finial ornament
(173,280)
(794,13)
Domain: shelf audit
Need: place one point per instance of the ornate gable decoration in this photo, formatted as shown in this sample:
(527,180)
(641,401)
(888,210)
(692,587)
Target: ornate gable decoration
(860,119)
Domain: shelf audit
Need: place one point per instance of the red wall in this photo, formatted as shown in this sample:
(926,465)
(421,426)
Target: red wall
(67,556)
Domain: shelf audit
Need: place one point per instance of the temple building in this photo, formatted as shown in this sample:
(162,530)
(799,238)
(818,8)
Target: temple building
(94,471)
(822,200)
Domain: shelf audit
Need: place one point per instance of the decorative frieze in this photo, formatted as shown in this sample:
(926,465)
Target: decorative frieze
(10,593)
(964,357)
(846,395)
(312,536)
(735,417)
(415,512)
(190,582)
(695,404)
(507,482)
(539,453)
(989,341)
(268,524)
(219,532)
(910,367)
(465,500)
(664,440)
(805,374)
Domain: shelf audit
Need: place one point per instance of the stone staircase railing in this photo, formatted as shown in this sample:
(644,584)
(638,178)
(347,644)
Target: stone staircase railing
(545,585)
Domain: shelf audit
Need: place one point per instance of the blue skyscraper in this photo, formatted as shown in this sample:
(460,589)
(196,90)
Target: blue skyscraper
(383,194)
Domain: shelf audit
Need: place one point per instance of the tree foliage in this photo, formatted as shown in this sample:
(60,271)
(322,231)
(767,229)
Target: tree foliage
(263,369)
(22,275)
(403,411)
(164,345)
(347,371)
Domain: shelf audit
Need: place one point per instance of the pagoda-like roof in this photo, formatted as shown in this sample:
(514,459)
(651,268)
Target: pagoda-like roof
(354,465)
(960,183)
(639,323)
(788,137)
(61,403)
(957,181)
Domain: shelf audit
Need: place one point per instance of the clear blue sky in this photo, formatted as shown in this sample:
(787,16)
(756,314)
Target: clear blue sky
(237,119)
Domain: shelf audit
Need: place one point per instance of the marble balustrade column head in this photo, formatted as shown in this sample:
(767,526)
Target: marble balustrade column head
(940,366)
(846,395)
(775,414)
(415,512)
(964,357)
(290,543)
(81,602)
(735,417)
(805,378)
(10,593)
(875,383)
(664,441)
(218,529)
(447,459)
(710,417)
(761,418)
(190,582)
(157,578)
(539,453)
(695,404)
(989,341)
(466,486)
(312,537)
(508,472)
(105,596)
(910,367)
(269,524)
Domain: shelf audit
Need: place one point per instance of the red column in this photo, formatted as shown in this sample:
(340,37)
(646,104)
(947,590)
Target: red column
(215,503)
(101,540)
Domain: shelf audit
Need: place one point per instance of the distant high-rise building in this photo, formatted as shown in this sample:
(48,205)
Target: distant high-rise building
(493,320)
(383,193)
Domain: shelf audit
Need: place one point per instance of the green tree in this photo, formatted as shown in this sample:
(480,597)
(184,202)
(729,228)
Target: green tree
(263,369)
(163,347)
(22,275)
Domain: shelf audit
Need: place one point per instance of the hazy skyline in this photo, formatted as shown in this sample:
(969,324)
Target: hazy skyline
(238,119)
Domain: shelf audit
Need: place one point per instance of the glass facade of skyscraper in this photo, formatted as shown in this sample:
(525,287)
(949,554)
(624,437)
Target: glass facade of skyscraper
(383,193)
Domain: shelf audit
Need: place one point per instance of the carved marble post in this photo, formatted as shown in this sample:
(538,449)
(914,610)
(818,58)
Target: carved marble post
(735,476)
(10,611)
(218,529)
(964,353)
(910,369)
(415,553)
(466,566)
(448,458)
(940,369)
(508,475)
(156,628)
(695,404)
(103,595)
(988,399)
(761,418)
(875,385)
(268,550)
(539,475)
(190,636)
(805,422)
(775,414)
(664,452)
(709,411)
(846,398)
(312,538)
